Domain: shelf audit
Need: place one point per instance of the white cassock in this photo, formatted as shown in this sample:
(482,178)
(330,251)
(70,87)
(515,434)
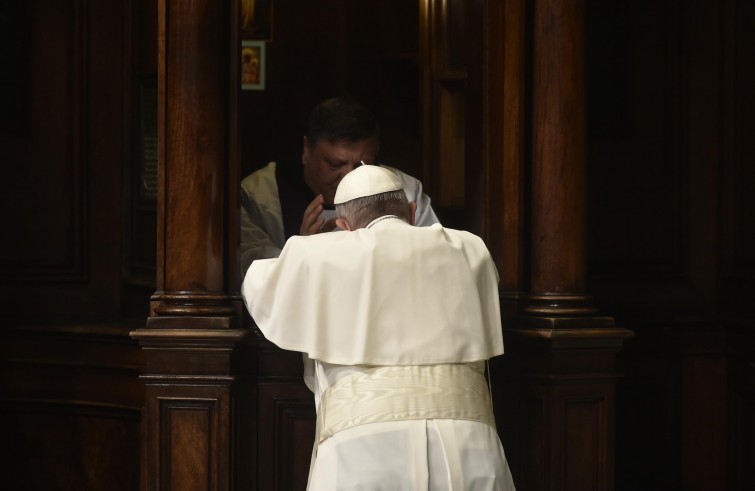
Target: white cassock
(396,323)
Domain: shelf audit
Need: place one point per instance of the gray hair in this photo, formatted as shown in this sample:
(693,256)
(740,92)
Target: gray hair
(360,212)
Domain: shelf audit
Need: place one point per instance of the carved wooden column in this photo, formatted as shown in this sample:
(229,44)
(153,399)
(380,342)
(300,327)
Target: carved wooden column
(198,419)
(564,351)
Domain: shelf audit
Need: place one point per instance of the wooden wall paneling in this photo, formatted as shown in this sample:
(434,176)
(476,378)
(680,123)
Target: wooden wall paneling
(140,155)
(70,447)
(15,53)
(705,394)
(65,155)
(649,404)
(71,396)
(286,433)
(556,408)
(741,406)
(638,266)
(443,73)
(49,154)
(742,477)
(494,139)
(71,403)
(286,421)
(702,76)
(638,187)
(738,271)
(46,157)
(398,87)
(481,37)
(664,113)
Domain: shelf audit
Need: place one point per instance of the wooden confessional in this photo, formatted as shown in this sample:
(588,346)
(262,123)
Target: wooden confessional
(600,148)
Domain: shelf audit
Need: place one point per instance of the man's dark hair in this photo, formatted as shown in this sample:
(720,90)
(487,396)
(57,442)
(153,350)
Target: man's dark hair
(341,119)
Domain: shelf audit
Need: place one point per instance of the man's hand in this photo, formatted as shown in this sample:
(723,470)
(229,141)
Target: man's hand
(313,222)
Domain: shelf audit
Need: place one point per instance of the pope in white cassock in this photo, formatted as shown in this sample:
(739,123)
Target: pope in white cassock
(396,323)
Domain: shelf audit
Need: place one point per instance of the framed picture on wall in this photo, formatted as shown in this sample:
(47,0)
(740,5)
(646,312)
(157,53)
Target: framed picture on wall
(252,65)
(257,19)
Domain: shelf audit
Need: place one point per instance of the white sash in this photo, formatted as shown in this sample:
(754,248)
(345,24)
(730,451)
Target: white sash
(451,391)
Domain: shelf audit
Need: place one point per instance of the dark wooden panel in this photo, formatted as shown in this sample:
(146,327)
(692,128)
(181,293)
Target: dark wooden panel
(654,141)
(648,414)
(741,399)
(533,442)
(96,365)
(672,226)
(49,446)
(705,394)
(64,261)
(739,173)
(276,362)
(286,434)
(140,152)
(70,400)
(47,163)
(634,141)
(743,440)
(188,431)
(583,442)
(15,56)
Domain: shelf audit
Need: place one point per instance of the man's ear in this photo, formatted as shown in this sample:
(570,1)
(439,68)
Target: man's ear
(343,224)
(412,212)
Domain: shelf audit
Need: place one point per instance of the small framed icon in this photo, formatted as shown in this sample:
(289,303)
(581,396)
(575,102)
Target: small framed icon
(252,65)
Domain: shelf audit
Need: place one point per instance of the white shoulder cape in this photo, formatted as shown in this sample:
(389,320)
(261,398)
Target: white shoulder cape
(392,294)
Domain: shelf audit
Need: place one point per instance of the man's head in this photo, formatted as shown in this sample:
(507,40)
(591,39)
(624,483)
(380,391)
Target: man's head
(370,192)
(340,134)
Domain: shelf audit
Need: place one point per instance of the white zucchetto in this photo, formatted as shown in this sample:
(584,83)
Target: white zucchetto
(366,180)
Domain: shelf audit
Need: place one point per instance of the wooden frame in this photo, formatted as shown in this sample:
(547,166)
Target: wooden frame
(257,19)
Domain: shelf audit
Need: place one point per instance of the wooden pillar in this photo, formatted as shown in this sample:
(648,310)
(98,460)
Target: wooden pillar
(196,422)
(558,159)
(567,401)
(554,387)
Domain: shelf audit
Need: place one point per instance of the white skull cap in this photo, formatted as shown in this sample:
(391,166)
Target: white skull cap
(366,180)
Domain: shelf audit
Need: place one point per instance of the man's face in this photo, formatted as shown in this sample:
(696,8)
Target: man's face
(325,163)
